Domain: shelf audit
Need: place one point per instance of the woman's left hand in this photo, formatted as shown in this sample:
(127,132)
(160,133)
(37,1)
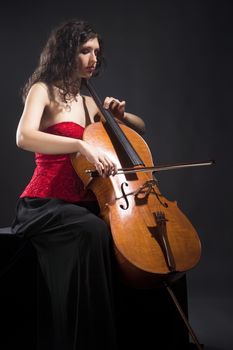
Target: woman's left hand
(116,107)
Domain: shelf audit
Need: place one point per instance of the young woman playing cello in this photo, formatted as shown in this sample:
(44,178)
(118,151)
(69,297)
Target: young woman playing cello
(55,212)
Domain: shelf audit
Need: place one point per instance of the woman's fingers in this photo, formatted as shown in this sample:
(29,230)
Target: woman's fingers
(116,107)
(106,166)
(103,164)
(110,101)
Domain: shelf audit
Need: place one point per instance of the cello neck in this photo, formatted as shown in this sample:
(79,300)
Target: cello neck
(114,127)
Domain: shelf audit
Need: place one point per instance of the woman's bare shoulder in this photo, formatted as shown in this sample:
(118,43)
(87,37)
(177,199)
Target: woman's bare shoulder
(40,86)
(39,90)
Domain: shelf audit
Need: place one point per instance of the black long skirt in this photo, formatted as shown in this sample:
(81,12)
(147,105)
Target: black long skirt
(75,255)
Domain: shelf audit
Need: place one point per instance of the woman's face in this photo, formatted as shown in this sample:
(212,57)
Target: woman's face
(87,58)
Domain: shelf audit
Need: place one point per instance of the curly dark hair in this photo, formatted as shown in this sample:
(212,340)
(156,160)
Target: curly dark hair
(58,58)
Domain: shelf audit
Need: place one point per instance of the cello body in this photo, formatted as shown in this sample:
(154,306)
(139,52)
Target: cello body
(153,240)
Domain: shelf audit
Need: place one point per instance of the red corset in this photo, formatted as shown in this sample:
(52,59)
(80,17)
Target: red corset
(54,176)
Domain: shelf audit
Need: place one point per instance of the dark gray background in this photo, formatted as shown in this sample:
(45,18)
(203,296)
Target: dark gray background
(172,62)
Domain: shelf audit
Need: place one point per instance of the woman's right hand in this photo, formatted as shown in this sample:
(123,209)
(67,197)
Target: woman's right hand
(102,162)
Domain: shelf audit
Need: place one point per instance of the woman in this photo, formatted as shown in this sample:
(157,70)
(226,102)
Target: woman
(55,211)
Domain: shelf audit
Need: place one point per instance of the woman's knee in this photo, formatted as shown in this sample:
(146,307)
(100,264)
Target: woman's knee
(97,232)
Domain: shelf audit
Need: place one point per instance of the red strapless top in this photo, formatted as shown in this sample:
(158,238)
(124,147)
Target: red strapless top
(54,175)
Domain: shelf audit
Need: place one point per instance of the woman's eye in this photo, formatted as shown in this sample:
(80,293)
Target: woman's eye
(84,51)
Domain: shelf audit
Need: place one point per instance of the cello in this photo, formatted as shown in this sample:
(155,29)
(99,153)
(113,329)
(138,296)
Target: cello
(154,242)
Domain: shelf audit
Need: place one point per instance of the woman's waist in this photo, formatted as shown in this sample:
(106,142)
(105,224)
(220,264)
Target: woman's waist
(54,171)
(54,181)
(41,158)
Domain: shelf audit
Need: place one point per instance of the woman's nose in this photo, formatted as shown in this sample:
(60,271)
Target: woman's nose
(93,57)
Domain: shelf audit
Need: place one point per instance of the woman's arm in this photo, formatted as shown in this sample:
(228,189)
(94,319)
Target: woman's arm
(118,110)
(28,135)
(30,138)
(134,122)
